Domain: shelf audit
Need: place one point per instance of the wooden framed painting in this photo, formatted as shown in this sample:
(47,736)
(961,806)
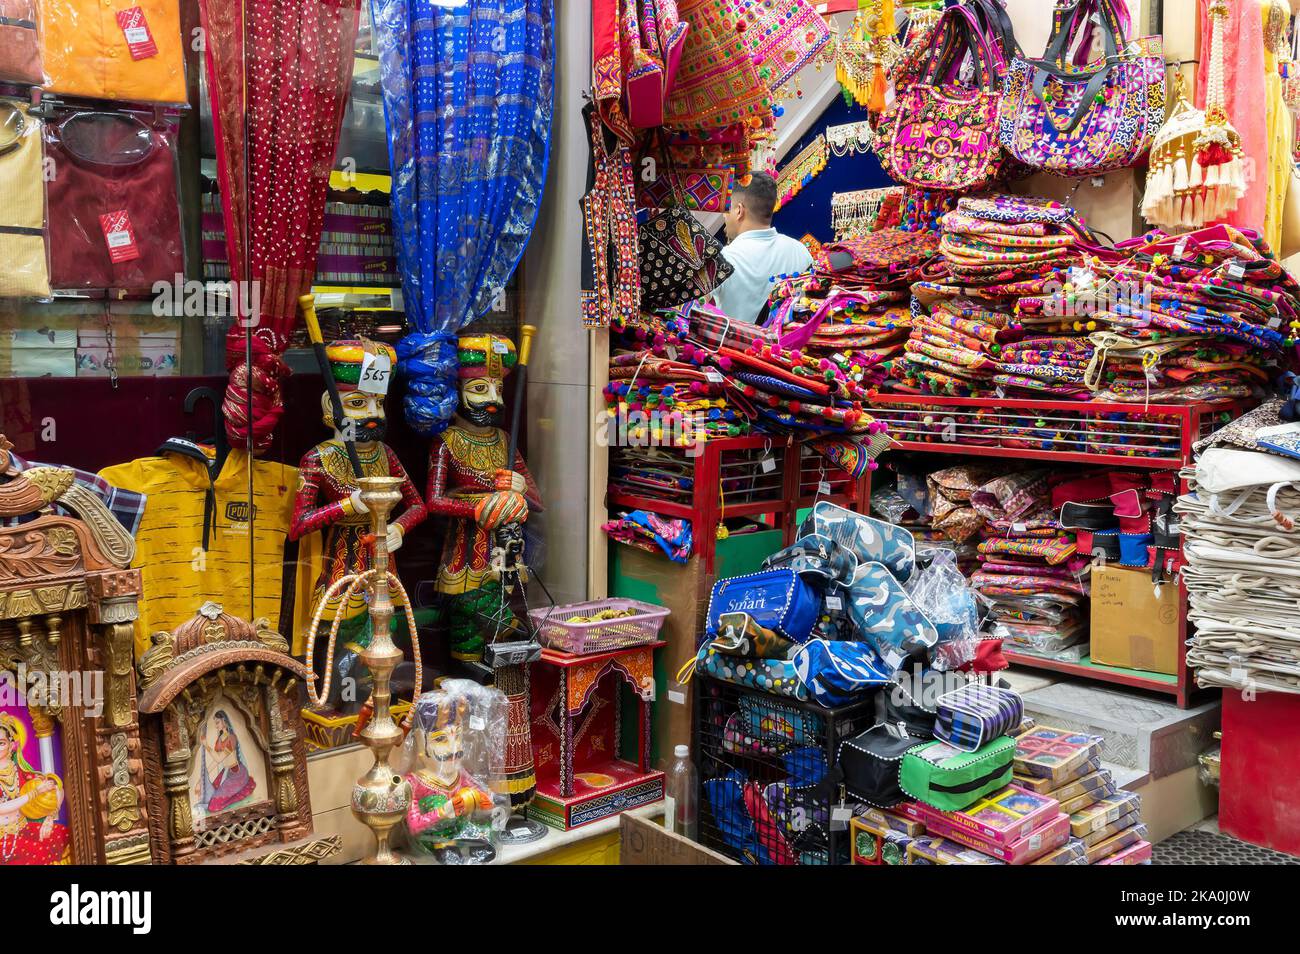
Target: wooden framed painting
(224,752)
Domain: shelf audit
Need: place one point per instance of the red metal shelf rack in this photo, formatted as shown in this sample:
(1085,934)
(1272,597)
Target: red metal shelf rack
(1153,436)
(792,483)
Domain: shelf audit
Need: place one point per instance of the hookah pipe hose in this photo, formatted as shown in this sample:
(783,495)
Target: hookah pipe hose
(353,582)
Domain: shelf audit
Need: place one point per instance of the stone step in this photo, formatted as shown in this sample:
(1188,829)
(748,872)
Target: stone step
(1144,734)
(1129,779)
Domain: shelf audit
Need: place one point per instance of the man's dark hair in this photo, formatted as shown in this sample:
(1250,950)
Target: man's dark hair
(759,196)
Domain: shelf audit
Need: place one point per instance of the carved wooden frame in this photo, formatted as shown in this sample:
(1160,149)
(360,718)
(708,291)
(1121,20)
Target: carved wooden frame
(65,606)
(217,654)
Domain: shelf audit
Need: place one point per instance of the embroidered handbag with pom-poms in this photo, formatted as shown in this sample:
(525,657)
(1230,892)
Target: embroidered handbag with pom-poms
(1085,117)
(940,133)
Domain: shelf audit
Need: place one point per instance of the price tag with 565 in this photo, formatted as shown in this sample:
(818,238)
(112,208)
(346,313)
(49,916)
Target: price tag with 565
(376,372)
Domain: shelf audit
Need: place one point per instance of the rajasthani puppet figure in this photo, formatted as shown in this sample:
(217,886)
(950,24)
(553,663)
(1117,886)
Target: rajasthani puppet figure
(451,811)
(471,483)
(487,499)
(329,517)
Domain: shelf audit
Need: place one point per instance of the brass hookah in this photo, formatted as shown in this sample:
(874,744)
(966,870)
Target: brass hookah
(381,797)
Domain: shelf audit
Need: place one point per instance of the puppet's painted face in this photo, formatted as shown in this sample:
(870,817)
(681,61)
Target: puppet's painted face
(444,746)
(480,400)
(365,420)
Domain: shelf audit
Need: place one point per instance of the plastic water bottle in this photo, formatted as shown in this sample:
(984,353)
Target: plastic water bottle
(681,814)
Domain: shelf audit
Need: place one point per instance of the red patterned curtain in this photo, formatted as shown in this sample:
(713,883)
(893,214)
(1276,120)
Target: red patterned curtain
(279,72)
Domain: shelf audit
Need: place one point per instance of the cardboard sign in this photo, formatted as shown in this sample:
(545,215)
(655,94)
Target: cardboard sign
(376,372)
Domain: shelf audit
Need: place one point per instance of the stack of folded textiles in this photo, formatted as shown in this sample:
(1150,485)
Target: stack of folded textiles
(656,401)
(1197,317)
(1105,822)
(853,331)
(780,383)
(955,345)
(1238,520)
(1030,573)
(996,252)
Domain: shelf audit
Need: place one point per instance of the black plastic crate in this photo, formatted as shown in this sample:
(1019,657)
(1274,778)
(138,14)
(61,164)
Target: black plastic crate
(761,800)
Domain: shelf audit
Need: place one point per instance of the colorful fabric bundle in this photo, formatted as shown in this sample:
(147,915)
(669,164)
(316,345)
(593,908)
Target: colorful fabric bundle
(1029,574)
(651,532)
(1197,317)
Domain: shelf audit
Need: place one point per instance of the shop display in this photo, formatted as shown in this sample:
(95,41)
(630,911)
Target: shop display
(1000,422)
(585,770)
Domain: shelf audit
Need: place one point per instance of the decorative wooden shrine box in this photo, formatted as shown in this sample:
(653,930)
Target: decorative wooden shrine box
(71,774)
(579,738)
(225,760)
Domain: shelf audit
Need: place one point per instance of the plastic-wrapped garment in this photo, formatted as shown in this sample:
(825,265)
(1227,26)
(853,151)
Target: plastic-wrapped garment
(114,209)
(942,593)
(20,45)
(128,50)
(454,755)
(26,272)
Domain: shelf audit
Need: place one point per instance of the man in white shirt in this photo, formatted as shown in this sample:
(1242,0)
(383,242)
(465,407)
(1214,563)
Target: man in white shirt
(756,250)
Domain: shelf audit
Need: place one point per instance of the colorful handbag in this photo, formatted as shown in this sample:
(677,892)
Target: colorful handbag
(1073,119)
(870,764)
(837,673)
(970,717)
(778,600)
(951,780)
(767,675)
(870,540)
(885,616)
(680,261)
(940,134)
(653,37)
(663,181)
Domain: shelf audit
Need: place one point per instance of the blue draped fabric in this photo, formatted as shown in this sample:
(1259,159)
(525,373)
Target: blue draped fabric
(468,94)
